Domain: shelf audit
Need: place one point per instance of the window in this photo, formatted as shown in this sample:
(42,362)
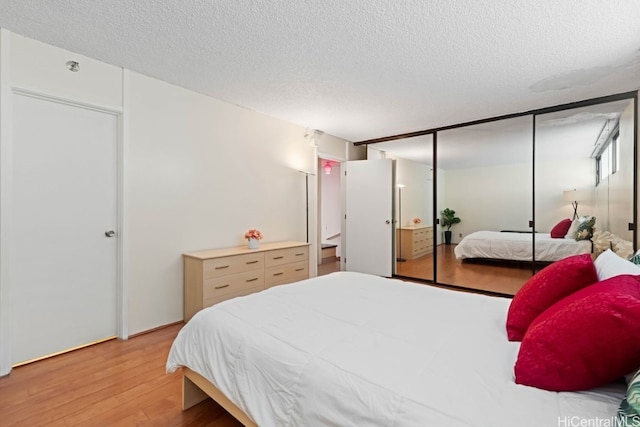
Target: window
(608,159)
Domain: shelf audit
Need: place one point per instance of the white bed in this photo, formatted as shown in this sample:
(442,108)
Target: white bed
(350,349)
(518,246)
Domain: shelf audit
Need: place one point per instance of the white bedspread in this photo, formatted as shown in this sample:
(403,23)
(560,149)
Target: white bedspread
(350,349)
(517,246)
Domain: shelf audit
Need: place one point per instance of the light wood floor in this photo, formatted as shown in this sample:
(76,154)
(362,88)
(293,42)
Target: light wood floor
(116,383)
(123,383)
(328,267)
(485,277)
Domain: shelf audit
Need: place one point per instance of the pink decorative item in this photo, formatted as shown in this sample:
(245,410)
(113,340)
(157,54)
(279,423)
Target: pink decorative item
(253,236)
(416,221)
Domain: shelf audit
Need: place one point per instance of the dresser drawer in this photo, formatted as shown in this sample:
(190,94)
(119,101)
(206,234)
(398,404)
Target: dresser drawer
(232,283)
(218,267)
(208,302)
(286,273)
(286,256)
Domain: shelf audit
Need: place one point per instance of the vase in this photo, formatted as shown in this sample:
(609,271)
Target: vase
(253,243)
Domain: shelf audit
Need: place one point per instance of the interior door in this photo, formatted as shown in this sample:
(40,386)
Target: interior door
(63,271)
(369,216)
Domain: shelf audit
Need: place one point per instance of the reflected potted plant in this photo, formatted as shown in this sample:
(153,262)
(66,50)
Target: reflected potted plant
(449,219)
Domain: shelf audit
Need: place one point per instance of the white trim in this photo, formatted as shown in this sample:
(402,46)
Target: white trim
(5,203)
(19,90)
(323,156)
(122,291)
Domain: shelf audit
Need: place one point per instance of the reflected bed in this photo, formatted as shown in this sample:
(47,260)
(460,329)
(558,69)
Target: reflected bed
(514,246)
(354,349)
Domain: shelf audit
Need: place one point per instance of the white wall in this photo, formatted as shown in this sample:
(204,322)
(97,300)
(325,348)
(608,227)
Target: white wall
(488,198)
(196,172)
(555,177)
(620,184)
(499,197)
(417,195)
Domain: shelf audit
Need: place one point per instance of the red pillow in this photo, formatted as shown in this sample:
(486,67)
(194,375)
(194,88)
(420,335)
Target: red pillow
(588,339)
(561,229)
(547,287)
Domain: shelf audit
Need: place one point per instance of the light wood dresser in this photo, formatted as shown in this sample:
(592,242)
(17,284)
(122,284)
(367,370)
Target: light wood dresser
(215,275)
(416,241)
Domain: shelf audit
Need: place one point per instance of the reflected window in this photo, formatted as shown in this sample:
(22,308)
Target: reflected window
(608,160)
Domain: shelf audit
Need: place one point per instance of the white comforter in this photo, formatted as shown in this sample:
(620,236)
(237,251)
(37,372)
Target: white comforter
(517,246)
(350,349)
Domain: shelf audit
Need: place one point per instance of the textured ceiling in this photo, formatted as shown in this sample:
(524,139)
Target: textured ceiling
(357,69)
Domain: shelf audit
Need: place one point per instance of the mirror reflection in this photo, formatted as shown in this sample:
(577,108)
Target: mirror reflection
(487,182)
(513,195)
(584,180)
(413,203)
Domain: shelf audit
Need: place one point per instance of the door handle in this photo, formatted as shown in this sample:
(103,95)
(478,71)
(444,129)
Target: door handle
(387,222)
(109,233)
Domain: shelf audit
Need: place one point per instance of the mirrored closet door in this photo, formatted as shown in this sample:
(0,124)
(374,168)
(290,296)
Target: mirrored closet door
(414,199)
(485,176)
(466,214)
(584,178)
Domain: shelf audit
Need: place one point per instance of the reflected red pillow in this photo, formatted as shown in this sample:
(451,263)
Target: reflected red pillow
(547,287)
(561,229)
(586,340)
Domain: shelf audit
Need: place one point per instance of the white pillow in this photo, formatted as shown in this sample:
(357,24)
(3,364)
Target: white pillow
(609,264)
(571,234)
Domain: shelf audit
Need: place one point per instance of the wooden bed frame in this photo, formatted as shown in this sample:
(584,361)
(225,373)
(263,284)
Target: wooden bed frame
(196,388)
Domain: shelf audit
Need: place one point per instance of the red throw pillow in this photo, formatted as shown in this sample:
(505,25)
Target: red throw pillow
(547,287)
(586,340)
(561,229)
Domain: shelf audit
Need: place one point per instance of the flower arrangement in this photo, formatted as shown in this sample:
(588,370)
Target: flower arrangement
(253,234)
(416,221)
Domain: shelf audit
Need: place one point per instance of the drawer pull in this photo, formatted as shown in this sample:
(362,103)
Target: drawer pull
(251,262)
(299,269)
(278,274)
(252,280)
(222,287)
(299,254)
(221,267)
(278,257)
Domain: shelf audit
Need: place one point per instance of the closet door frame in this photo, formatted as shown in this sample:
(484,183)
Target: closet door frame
(7,91)
(631,96)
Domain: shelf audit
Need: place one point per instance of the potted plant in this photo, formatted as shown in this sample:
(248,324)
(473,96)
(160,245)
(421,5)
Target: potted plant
(449,219)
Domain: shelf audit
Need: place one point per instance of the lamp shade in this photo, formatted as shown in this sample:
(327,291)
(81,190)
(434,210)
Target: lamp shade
(575,195)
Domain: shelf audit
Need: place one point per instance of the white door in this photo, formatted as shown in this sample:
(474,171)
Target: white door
(369,216)
(63,265)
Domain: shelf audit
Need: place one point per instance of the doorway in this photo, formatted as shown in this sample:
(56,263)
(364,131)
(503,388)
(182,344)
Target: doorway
(329,224)
(64,222)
